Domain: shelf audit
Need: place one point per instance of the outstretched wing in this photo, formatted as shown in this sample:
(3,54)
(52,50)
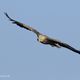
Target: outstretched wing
(54,41)
(22,25)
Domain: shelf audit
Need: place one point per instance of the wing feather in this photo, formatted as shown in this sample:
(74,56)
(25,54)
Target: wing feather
(69,47)
(54,41)
(22,25)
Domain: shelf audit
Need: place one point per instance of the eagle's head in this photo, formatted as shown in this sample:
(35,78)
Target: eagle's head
(42,38)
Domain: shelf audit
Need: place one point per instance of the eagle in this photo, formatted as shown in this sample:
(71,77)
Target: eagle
(44,39)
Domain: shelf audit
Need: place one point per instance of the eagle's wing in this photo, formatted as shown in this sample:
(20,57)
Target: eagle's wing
(22,25)
(59,43)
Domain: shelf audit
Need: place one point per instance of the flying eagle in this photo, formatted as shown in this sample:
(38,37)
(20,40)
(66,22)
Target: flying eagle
(43,38)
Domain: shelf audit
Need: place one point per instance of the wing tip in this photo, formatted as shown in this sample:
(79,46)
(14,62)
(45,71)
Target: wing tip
(8,16)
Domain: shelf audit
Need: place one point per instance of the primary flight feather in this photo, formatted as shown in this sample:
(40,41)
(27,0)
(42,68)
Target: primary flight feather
(43,38)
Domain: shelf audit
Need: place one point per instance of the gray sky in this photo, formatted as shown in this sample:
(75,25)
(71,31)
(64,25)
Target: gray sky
(22,57)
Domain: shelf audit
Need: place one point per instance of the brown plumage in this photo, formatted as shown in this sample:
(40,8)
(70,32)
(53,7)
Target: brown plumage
(43,38)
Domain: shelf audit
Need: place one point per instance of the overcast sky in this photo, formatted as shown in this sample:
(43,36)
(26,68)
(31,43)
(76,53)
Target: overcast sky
(22,57)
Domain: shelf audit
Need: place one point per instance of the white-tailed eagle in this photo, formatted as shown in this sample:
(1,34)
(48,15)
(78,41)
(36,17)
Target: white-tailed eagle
(43,38)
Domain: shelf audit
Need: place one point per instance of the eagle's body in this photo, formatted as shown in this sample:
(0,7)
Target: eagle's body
(43,38)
